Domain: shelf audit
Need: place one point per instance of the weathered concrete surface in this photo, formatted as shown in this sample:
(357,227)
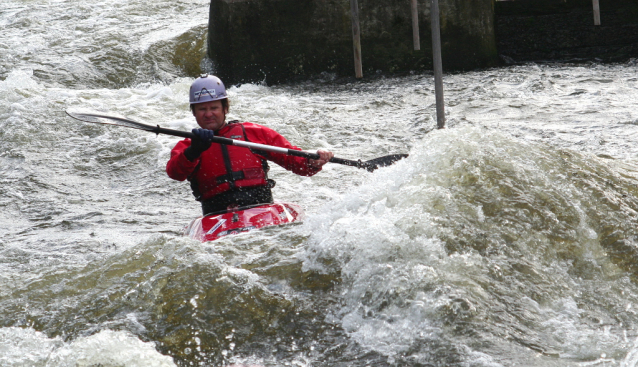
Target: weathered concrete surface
(285,40)
(564,30)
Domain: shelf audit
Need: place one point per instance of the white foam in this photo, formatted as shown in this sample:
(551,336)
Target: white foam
(27,347)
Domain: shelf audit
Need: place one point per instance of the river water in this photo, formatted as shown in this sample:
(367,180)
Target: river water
(508,239)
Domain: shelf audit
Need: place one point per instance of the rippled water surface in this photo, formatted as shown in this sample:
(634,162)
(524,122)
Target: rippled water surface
(508,239)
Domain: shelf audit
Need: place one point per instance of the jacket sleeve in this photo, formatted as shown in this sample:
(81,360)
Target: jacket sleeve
(178,166)
(264,135)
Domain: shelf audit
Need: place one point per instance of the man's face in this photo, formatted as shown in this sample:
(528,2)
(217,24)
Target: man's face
(210,115)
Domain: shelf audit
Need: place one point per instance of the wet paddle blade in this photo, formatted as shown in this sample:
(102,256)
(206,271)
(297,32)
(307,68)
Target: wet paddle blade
(110,120)
(386,160)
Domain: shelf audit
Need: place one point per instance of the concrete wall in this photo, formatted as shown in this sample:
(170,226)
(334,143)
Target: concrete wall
(286,40)
(564,31)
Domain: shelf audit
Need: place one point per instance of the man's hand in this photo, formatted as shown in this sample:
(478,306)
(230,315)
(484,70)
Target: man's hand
(202,140)
(324,157)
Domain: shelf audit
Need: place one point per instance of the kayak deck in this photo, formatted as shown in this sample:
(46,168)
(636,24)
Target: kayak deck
(215,226)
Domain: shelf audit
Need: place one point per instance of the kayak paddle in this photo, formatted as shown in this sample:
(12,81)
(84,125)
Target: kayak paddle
(370,165)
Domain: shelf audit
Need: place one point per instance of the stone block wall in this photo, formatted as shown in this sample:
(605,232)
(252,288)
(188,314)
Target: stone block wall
(564,31)
(286,40)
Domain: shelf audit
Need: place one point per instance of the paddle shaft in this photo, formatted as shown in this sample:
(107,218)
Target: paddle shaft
(370,165)
(268,148)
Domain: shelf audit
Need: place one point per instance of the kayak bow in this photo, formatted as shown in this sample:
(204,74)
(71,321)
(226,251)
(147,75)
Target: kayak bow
(214,226)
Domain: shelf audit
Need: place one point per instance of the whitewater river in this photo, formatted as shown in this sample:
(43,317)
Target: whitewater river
(508,239)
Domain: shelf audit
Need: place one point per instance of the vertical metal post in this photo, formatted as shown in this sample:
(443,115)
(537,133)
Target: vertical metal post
(438,64)
(415,25)
(356,38)
(596,12)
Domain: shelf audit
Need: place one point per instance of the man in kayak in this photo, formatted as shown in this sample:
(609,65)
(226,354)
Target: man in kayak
(222,176)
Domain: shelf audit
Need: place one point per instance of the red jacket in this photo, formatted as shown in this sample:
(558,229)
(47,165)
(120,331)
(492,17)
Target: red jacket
(207,171)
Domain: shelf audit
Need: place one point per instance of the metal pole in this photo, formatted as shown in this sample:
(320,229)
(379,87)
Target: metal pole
(415,25)
(438,64)
(356,38)
(596,12)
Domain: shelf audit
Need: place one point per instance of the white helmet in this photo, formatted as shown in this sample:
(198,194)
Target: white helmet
(207,88)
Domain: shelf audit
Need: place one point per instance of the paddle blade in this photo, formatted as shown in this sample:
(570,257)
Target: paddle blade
(110,120)
(384,161)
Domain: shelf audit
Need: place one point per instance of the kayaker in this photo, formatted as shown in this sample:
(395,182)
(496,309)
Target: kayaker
(225,177)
